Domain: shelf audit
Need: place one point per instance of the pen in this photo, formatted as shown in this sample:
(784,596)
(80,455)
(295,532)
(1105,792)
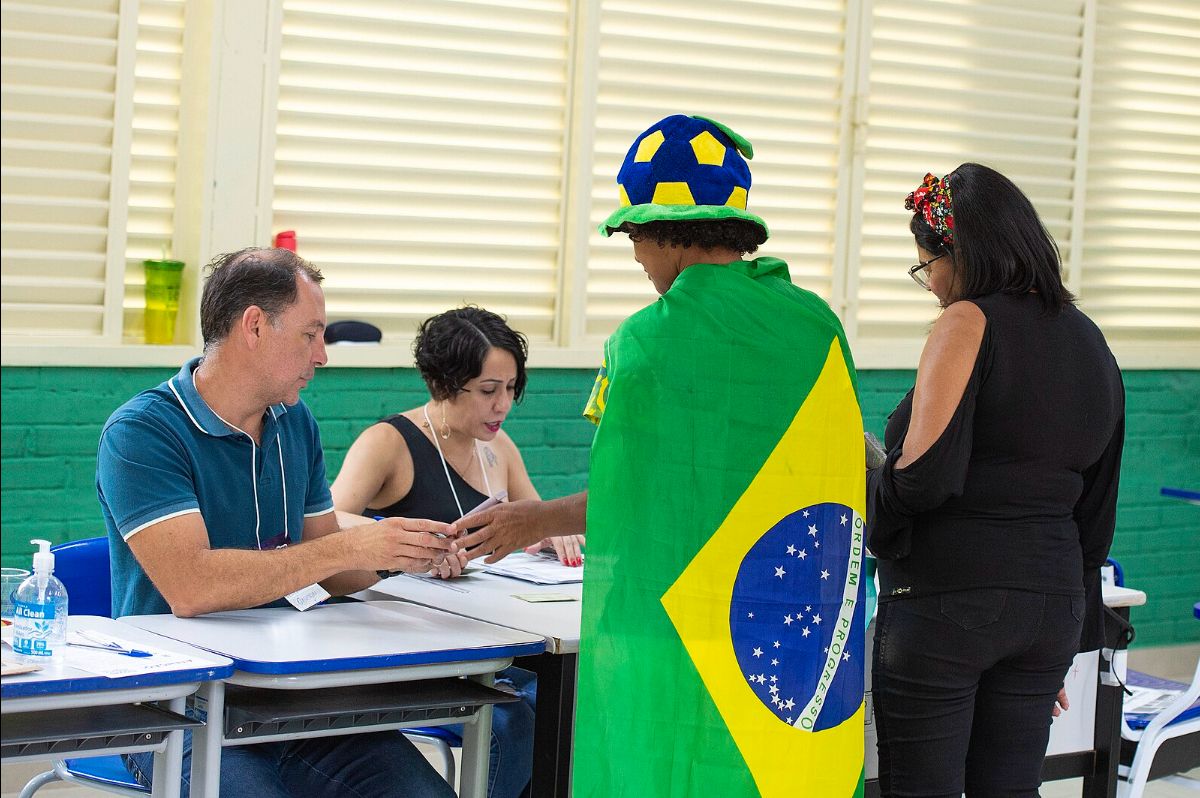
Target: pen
(115,649)
(107,645)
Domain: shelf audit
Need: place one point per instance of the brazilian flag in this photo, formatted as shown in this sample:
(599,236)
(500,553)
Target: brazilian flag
(722,647)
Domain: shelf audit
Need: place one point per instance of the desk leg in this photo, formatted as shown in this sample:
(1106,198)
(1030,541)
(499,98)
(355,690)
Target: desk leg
(168,763)
(554,725)
(477,748)
(206,743)
(1109,706)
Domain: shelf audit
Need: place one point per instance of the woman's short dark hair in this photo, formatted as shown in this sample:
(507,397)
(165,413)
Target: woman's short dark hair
(256,276)
(740,235)
(450,349)
(1000,244)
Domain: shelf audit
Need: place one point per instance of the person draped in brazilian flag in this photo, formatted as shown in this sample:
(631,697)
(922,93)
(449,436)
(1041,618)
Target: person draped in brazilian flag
(722,640)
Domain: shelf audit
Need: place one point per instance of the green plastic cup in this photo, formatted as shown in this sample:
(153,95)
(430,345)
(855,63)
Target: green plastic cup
(163,278)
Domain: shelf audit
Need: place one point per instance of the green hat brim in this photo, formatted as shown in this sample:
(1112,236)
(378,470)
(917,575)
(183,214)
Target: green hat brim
(649,212)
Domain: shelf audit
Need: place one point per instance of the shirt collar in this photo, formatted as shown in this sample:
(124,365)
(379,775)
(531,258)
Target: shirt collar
(183,385)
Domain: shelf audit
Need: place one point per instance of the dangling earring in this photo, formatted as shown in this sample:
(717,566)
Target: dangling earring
(445,430)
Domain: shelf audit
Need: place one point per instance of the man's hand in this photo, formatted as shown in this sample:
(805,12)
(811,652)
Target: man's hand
(412,545)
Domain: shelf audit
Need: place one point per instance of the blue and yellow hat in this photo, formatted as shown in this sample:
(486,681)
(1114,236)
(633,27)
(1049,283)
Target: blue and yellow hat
(683,168)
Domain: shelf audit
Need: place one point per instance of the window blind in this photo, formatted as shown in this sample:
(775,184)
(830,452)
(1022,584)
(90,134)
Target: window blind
(1141,264)
(419,156)
(158,72)
(62,167)
(772,71)
(953,81)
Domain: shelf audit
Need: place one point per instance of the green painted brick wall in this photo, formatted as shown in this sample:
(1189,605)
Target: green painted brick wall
(51,418)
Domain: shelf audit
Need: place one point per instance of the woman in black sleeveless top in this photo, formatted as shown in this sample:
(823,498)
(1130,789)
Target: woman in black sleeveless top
(441,459)
(996,505)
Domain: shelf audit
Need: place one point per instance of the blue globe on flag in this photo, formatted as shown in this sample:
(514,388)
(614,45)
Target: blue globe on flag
(796,617)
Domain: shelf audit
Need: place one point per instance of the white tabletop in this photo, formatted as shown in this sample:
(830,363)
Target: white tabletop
(493,598)
(1123,596)
(66,687)
(341,637)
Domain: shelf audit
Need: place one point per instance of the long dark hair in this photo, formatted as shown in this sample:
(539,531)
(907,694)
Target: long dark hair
(1000,244)
(450,349)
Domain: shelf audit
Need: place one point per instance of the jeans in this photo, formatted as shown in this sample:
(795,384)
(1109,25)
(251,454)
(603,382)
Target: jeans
(964,684)
(376,764)
(510,764)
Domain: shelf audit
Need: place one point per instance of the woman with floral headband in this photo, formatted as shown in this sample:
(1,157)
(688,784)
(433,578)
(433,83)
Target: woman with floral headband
(995,507)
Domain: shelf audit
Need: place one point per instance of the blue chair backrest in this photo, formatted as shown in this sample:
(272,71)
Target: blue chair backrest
(82,565)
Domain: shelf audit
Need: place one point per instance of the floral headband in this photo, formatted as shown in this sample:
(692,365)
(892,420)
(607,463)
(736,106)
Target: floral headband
(932,200)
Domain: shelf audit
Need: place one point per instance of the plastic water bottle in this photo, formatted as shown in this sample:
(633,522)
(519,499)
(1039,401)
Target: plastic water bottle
(40,613)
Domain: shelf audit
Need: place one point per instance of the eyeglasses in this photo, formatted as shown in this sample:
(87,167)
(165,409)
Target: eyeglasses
(920,271)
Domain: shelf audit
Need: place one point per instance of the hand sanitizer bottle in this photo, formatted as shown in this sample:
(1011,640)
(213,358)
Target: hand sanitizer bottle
(40,613)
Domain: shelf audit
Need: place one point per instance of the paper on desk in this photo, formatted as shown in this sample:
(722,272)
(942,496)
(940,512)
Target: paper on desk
(115,665)
(542,569)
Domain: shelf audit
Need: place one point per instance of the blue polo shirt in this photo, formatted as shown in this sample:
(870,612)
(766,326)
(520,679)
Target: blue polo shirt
(165,453)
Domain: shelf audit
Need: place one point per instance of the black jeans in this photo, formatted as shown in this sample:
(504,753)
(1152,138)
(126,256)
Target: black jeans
(964,685)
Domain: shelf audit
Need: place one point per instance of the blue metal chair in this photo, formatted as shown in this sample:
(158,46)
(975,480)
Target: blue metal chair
(82,565)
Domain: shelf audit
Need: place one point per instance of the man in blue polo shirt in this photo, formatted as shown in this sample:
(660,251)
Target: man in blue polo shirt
(214,493)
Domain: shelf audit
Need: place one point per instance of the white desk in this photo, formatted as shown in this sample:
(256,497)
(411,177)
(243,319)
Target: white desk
(345,646)
(489,597)
(492,598)
(30,700)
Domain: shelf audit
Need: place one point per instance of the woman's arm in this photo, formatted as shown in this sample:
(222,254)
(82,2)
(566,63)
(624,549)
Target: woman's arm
(931,463)
(942,376)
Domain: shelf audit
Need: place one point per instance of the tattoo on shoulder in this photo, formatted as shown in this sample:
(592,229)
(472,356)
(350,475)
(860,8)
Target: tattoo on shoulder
(490,455)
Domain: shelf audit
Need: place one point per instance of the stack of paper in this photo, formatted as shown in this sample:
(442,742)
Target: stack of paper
(542,569)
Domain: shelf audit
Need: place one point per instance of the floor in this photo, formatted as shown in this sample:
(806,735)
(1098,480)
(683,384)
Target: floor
(1175,662)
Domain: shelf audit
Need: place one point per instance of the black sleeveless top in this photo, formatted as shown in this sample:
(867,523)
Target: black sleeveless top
(1020,490)
(430,496)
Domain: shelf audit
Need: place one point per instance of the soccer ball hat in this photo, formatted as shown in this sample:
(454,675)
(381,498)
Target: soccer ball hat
(684,168)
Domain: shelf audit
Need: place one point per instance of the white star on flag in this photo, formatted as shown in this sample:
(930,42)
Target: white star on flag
(805,632)
(749,615)
(802,554)
(812,530)
(824,574)
(817,619)
(843,519)
(791,549)
(776,644)
(758,652)
(787,620)
(780,572)
(774,662)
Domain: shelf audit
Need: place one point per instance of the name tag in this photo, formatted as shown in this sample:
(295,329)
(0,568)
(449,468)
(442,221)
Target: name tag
(307,597)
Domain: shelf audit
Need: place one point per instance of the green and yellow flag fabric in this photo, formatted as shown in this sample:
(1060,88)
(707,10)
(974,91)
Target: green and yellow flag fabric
(722,645)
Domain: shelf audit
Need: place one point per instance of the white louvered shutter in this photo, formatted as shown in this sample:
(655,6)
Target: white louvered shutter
(154,149)
(954,81)
(772,71)
(1141,264)
(419,156)
(65,149)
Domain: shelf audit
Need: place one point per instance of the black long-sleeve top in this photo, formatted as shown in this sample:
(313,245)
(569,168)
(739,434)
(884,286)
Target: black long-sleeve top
(1020,490)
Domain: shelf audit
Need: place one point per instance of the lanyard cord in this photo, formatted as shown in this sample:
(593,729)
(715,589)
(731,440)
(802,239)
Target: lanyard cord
(446,468)
(254,482)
